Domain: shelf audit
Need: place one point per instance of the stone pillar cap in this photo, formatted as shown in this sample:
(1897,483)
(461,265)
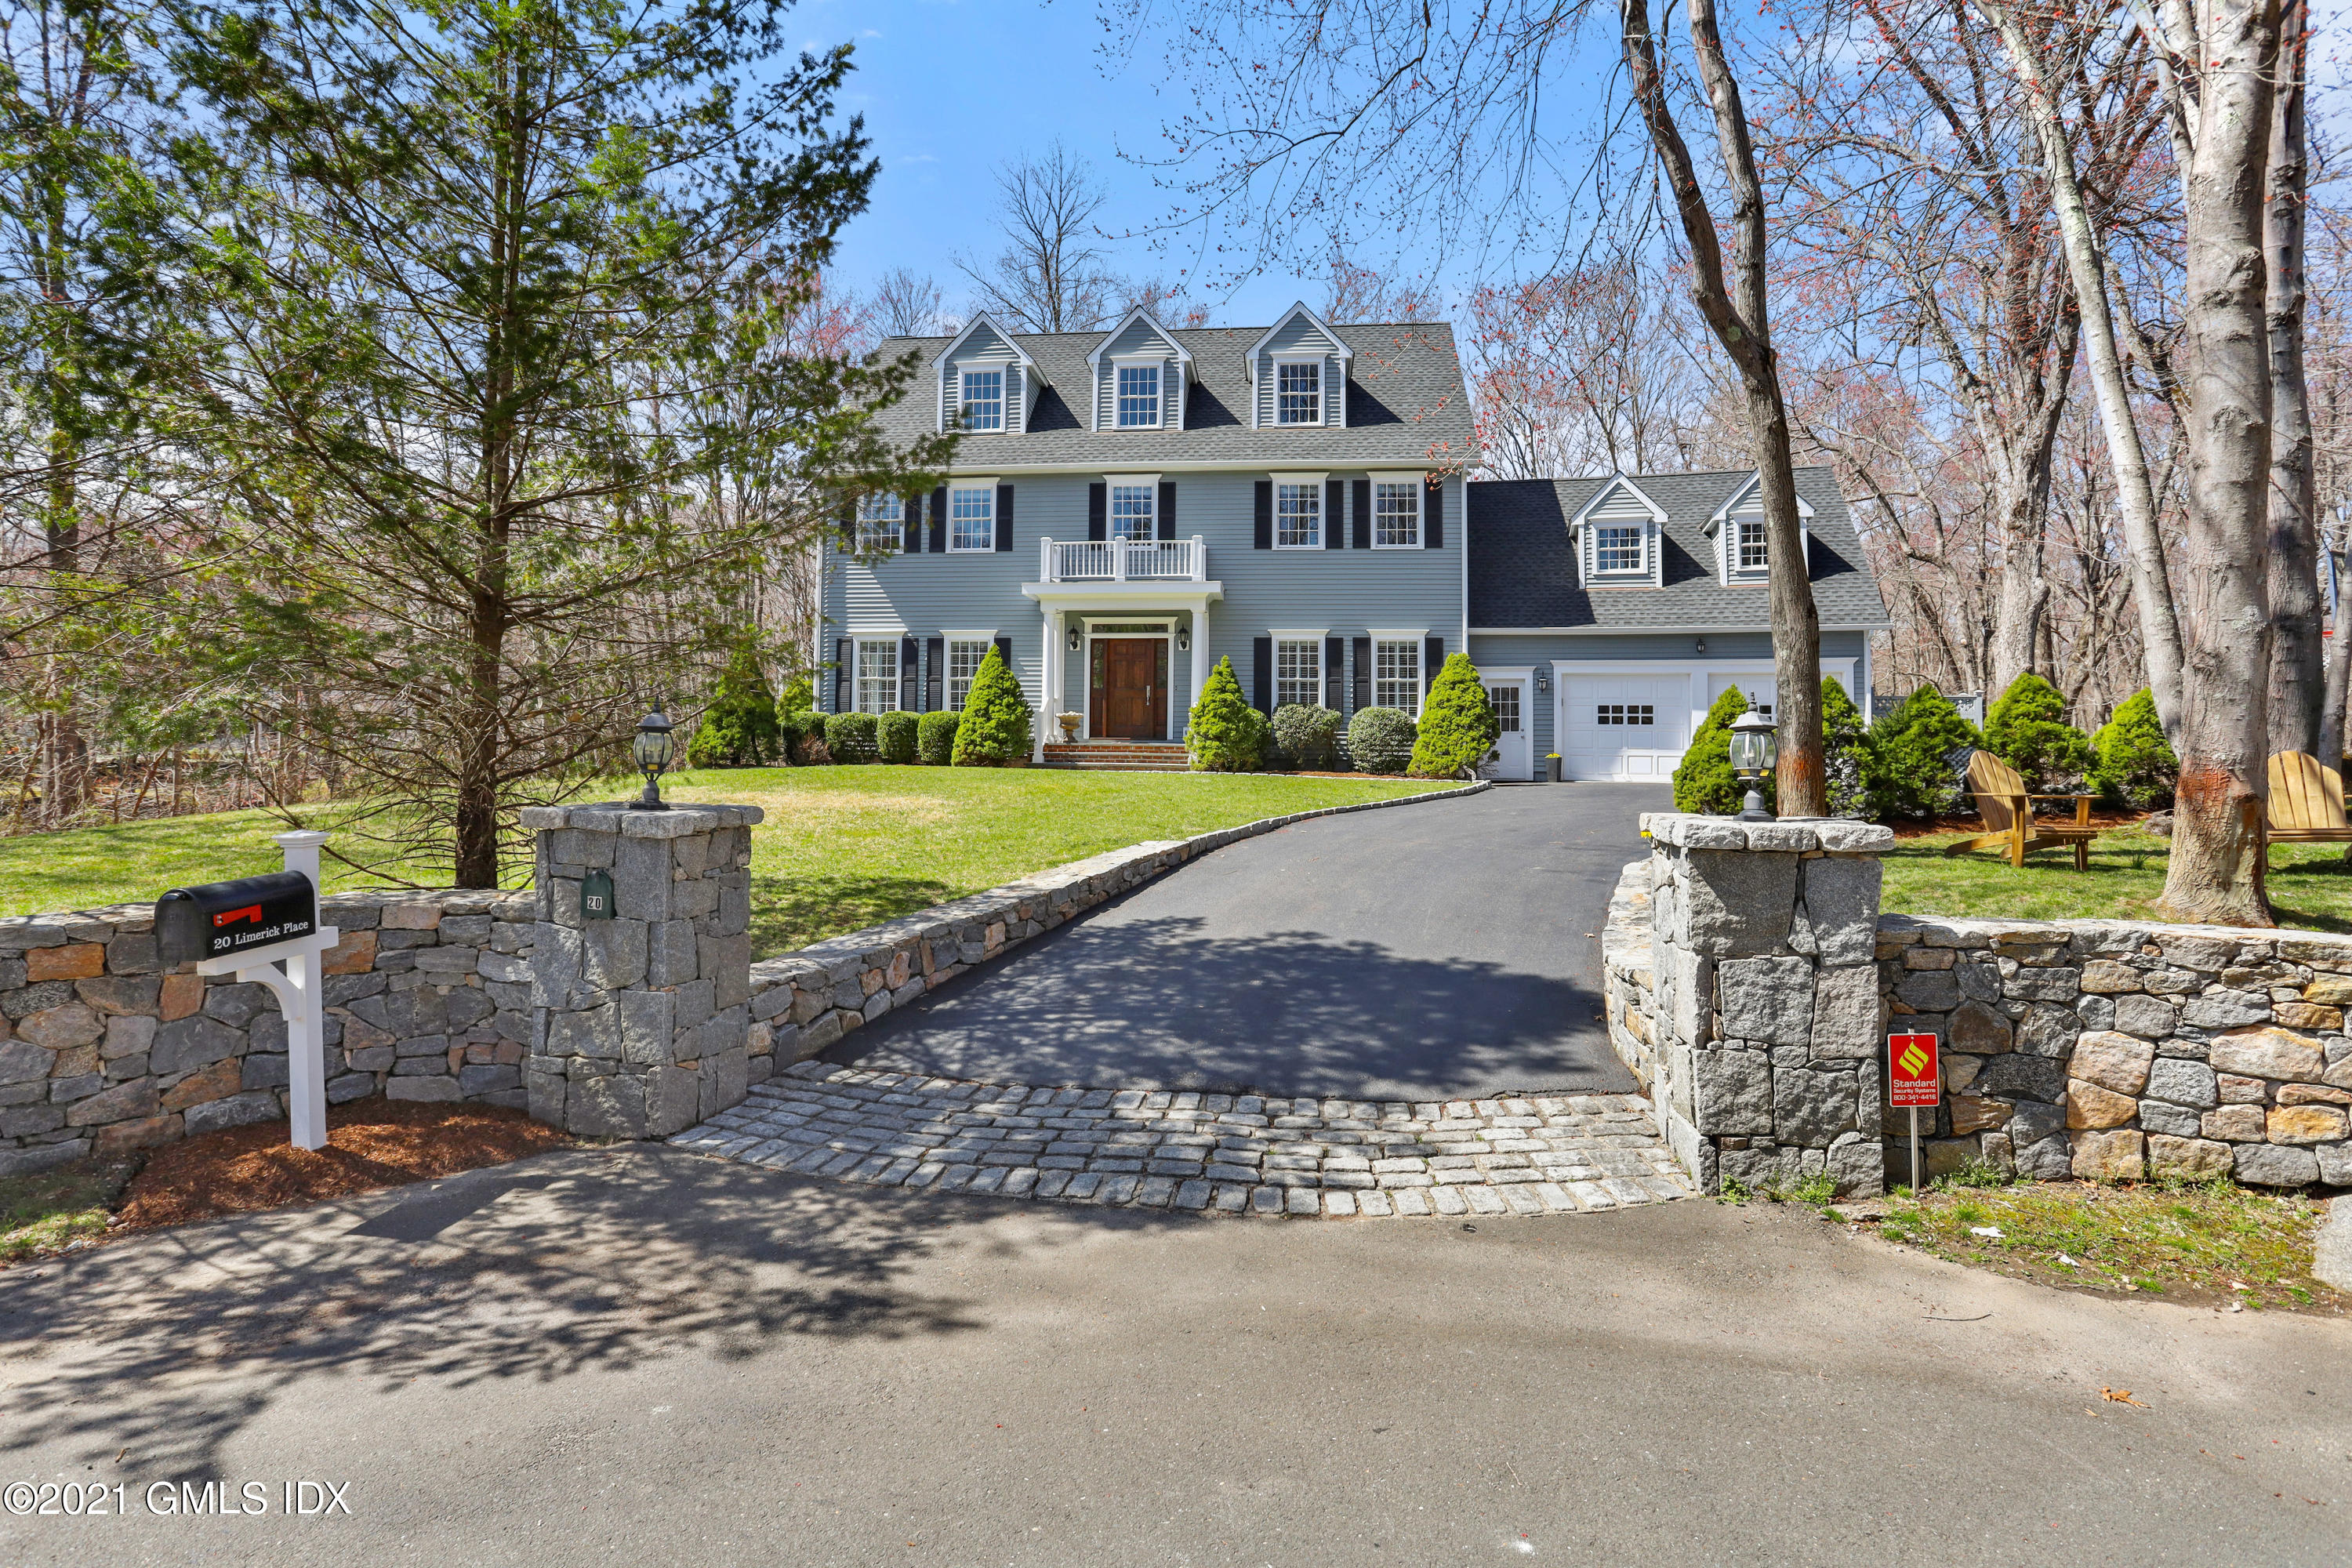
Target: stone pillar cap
(623,817)
(1836,834)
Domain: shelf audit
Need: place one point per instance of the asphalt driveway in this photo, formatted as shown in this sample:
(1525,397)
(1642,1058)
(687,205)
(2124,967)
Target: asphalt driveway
(1438,950)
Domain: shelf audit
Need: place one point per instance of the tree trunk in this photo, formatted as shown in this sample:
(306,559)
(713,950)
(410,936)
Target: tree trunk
(2339,672)
(2215,874)
(2297,676)
(2024,592)
(2160,622)
(1742,327)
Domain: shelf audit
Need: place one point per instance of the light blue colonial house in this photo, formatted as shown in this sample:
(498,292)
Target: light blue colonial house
(1129,507)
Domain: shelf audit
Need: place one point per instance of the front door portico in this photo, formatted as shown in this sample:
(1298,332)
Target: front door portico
(1126,696)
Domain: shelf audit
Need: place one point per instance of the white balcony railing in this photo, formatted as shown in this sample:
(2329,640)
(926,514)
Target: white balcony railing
(1123,560)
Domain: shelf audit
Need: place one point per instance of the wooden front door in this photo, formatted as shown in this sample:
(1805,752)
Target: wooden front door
(1128,688)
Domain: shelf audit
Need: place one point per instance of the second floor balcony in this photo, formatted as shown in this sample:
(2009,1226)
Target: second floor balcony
(1123,560)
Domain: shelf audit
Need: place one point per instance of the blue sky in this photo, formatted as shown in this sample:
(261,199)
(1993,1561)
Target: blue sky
(951,89)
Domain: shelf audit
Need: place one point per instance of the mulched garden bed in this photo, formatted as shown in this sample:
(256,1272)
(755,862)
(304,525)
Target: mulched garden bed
(370,1144)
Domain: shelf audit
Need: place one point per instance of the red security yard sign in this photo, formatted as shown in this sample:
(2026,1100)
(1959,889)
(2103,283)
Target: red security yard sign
(1912,1077)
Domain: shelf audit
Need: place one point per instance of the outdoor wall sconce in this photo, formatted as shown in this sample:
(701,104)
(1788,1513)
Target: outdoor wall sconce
(1184,642)
(1754,749)
(651,749)
(1076,639)
(1702,648)
(1543,678)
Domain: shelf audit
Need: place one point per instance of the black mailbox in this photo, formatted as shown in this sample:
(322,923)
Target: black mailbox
(222,918)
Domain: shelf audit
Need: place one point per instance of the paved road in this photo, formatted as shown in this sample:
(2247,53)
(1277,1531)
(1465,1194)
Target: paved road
(637,1355)
(1422,952)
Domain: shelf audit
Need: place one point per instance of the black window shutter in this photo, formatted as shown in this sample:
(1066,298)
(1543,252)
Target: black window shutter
(1004,651)
(1432,510)
(909,674)
(1430,658)
(911,525)
(1363,514)
(844,654)
(848,521)
(1335,674)
(1363,674)
(1262,674)
(940,520)
(1264,514)
(1168,509)
(935,660)
(1097,515)
(1005,520)
(1335,502)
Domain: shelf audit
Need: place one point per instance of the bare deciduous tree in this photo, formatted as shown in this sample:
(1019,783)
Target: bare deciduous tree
(1050,276)
(906,304)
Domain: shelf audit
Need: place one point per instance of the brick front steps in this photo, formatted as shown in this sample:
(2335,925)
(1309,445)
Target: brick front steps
(1240,1154)
(1128,757)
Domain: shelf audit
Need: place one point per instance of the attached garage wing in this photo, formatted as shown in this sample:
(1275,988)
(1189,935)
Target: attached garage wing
(1627,728)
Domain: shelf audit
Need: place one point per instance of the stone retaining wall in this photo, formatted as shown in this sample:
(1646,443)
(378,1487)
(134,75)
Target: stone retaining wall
(803,1001)
(102,1050)
(2091,1048)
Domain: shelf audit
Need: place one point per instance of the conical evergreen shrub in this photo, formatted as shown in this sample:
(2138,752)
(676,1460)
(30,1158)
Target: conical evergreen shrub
(1917,745)
(995,728)
(1848,756)
(1704,783)
(740,729)
(1458,727)
(2135,766)
(1224,734)
(2027,729)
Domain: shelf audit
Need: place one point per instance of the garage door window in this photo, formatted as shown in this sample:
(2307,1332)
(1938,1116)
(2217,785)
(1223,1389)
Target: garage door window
(1642,713)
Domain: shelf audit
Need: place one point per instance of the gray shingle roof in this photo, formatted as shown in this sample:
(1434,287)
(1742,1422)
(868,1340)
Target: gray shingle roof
(1523,569)
(1405,405)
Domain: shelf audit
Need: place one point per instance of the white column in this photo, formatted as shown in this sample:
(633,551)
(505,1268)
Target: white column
(1049,681)
(1199,648)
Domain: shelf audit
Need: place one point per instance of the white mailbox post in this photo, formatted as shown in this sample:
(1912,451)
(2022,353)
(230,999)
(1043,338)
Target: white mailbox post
(293,972)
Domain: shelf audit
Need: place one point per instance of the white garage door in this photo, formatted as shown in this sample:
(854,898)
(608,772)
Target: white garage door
(1631,727)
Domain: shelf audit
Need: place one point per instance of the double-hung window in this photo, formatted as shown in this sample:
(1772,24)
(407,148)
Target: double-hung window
(1298,514)
(877,674)
(1138,395)
(1298,392)
(1396,513)
(879,524)
(1396,674)
(971,517)
(1132,514)
(983,400)
(1751,544)
(964,656)
(1617,547)
(1298,672)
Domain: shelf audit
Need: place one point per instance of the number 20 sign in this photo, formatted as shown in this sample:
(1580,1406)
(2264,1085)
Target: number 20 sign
(1912,1077)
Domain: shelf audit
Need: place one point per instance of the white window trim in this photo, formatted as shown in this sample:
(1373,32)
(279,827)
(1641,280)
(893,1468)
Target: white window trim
(1158,361)
(1113,483)
(1295,633)
(988,485)
(947,640)
(1322,664)
(893,535)
(1001,370)
(1644,531)
(1418,479)
(857,676)
(1316,482)
(1420,641)
(1322,389)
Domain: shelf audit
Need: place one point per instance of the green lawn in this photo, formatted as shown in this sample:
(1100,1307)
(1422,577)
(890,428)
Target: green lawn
(841,847)
(2310,884)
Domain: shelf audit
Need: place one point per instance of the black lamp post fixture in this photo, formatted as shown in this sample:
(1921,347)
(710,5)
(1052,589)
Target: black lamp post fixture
(1754,749)
(653,749)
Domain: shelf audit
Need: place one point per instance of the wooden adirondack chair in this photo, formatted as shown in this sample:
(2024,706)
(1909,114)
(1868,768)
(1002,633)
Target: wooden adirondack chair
(2008,811)
(2306,802)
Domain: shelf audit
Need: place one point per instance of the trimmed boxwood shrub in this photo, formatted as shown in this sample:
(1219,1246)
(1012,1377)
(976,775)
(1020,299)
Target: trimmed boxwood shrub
(1224,734)
(2027,729)
(1917,744)
(1705,782)
(996,718)
(739,730)
(1308,737)
(802,739)
(894,736)
(850,737)
(2135,765)
(935,736)
(1379,739)
(1458,727)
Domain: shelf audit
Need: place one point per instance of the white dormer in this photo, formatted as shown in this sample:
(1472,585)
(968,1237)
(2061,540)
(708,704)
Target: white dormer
(1298,373)
(1618,535)
(984,371)
(1737,530)
(1140,372)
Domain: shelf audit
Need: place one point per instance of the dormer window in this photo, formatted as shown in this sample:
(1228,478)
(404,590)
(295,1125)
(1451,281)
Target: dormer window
(983,400)
(1617,548)
(1138,396)
(1298,392)
(1751,544)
